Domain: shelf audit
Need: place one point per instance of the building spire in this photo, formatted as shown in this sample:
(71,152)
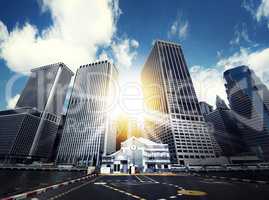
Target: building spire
(220,103)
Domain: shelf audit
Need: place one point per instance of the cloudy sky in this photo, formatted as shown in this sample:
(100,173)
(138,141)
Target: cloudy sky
(215,35)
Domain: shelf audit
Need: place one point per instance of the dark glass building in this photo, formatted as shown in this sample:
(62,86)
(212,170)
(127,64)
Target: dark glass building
(174,116)
(17,132)
(39,92)
(205,108)
(225,130)
(249,101)
(29,131)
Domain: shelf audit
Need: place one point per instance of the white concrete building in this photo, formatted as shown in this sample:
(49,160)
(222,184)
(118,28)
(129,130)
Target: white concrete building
(140,154)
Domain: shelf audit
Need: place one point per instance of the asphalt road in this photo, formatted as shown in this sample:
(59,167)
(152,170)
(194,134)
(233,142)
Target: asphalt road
(18,181)
(158,187)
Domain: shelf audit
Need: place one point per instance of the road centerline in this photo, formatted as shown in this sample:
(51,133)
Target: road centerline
(122,191)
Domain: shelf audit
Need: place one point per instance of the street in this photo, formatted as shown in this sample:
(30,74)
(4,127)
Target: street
(156,187)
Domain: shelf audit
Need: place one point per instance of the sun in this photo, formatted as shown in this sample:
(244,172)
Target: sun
(128,99)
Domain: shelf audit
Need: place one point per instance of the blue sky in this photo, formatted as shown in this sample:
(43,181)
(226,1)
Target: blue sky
(215,35)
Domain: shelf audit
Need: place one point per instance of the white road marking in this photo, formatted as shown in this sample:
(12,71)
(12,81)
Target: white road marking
(122,191)
(150,179)
(99,183)
(72,189)
(141,181)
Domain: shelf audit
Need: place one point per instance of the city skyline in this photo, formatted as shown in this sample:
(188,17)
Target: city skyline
(241,41)
(134,99)
(172,104)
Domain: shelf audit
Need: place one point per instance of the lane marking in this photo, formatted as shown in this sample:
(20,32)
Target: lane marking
(99,183)
(191,193)
(123,192)
(151,179)
(72,189)
(140,180)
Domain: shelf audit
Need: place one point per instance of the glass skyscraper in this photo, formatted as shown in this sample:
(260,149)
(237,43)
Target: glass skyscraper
(87,134)
(29,130)
(38,89)
(225,130)
(249,101)
(174,116)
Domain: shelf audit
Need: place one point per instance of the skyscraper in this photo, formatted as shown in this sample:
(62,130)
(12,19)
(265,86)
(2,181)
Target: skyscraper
(39,92)
(225,130)
(205,108)
(249,101)
(220,104)
(29,131)
(175,116)
(86,132)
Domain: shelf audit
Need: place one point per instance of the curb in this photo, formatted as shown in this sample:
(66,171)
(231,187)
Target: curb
(45,189)
(233,179)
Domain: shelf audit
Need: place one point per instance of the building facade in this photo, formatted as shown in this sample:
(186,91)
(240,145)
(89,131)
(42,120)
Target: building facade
(249,101)
(39,92)
(86,135)
(139,153)
(226,131)
(17,132)
(174,113)
(37,115)
(205,108)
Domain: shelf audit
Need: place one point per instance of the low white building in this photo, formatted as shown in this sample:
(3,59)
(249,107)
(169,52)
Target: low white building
(137,154)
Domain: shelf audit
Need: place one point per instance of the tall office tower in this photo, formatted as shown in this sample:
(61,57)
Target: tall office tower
(175,115)
(39,92)
(225,130)
(86,132)
(205,108)
(220,103)
(249,100)
(29,131)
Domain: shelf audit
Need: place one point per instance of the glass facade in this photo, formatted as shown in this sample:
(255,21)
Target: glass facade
(38,88)
(249,101)
(175,117)
(18,130)
(85,136)
(33,125)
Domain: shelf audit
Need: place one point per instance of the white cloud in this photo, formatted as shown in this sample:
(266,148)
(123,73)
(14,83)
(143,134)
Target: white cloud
(13,101)
(103,56)
(134,43)
(236,59)
(3,33)
(258,61)
(208,82)
(124,52)
(240,35)
(249,6)
(180,28)
(258,11)
(263,11)
(79,28)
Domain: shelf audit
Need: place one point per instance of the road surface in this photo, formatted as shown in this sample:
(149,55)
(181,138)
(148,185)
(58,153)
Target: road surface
(157,187)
